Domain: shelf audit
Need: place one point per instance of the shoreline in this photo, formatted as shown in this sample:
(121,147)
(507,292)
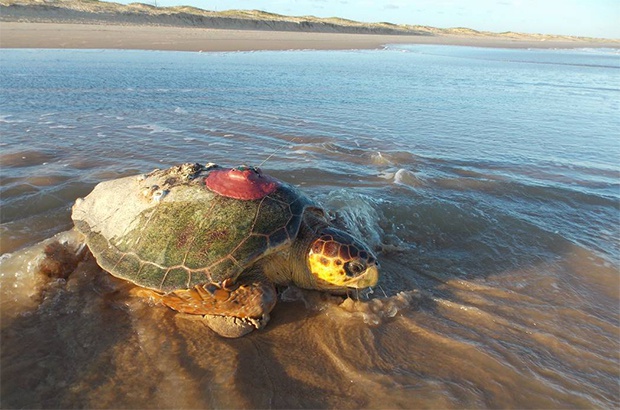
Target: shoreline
(108,35)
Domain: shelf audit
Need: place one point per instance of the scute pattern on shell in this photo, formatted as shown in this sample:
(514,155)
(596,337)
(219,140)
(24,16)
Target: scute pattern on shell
(187,237)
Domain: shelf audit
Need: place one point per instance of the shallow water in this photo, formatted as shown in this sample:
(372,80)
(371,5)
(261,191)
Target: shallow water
(487,180)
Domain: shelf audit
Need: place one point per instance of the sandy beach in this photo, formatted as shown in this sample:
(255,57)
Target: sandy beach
(110,36)
(108,25)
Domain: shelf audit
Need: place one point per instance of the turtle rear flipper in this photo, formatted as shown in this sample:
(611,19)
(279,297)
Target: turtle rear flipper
(229,309)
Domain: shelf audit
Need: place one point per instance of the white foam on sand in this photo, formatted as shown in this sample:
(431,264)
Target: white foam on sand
(20,280)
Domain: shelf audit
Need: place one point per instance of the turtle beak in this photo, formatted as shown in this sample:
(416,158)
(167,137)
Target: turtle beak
(367,279)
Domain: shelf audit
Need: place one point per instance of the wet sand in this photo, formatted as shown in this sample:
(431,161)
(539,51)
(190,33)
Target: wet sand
(110,36)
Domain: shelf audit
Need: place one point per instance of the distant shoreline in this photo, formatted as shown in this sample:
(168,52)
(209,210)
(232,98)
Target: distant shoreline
(111,36)
(104,25)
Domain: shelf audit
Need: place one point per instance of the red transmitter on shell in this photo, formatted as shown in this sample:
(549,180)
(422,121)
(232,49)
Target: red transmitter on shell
(242,182)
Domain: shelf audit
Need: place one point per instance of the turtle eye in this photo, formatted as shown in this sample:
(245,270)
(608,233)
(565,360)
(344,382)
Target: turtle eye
(354,268)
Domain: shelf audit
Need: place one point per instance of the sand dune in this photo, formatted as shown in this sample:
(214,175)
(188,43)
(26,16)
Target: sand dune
(95,24)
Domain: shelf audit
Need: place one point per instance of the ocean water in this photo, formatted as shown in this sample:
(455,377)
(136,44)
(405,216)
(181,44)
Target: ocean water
(487,180)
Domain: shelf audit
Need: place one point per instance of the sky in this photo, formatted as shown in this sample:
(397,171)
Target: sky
(591,18)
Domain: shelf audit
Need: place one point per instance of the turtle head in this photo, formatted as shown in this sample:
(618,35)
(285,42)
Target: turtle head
(339,261)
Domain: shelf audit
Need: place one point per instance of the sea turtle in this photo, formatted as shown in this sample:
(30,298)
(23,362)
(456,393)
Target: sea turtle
(214,241)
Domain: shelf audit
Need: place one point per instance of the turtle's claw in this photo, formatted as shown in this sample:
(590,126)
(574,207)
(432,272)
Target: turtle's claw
(227,284)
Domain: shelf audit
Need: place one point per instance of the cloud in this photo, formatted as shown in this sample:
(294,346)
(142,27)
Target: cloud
(391,7)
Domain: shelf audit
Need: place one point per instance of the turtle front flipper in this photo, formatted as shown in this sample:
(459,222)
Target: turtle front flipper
(230,309)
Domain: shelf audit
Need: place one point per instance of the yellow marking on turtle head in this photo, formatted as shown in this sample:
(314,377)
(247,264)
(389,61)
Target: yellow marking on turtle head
(327,269)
